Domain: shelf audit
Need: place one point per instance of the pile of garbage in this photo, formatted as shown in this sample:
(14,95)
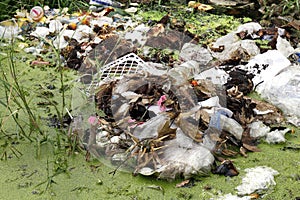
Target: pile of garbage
(181,121)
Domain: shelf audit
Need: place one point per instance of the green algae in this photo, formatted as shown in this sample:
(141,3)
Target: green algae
(27,177)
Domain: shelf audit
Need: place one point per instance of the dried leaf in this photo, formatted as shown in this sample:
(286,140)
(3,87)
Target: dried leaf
(243,152)
(166,129)
(251,148)
(254,196)
(189,126)
(228,152)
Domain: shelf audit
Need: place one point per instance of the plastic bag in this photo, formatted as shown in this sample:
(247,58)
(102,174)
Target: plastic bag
(284,92)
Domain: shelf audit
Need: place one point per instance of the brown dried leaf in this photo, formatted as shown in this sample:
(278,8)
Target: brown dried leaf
(243,152)
(228,152)
(166,130)
(251,148)
(189,126)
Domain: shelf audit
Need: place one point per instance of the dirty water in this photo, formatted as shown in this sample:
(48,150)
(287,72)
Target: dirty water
(91,180)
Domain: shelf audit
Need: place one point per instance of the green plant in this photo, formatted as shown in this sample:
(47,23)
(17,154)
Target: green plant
(16,96)
(290,6)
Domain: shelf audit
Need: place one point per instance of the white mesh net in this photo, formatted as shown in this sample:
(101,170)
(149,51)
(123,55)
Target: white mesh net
(128,64)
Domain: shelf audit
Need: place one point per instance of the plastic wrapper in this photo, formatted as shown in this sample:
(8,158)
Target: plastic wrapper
(195,52)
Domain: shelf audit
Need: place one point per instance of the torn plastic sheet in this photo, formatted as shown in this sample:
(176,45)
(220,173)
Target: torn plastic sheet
(257,179)
(249,28)
(182,156)
(276,136)
(195,52)
(81,34)
(258,129)
(265,67)
(283,91)
(40,32)
(234,48)
(215,75)
(284,47)
(138,34)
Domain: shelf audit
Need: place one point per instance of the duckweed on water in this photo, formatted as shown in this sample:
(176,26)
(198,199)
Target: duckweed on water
(22,178)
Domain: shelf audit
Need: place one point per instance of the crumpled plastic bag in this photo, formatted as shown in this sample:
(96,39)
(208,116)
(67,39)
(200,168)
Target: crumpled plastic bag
(234,48)
(283,91)
(195,52)
(265,67)
(259,130)
(182,156)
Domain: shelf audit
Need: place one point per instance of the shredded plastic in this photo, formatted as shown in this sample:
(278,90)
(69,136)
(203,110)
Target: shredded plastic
(257,179)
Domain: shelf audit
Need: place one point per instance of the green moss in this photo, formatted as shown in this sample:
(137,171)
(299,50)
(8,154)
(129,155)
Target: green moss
(206,26)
